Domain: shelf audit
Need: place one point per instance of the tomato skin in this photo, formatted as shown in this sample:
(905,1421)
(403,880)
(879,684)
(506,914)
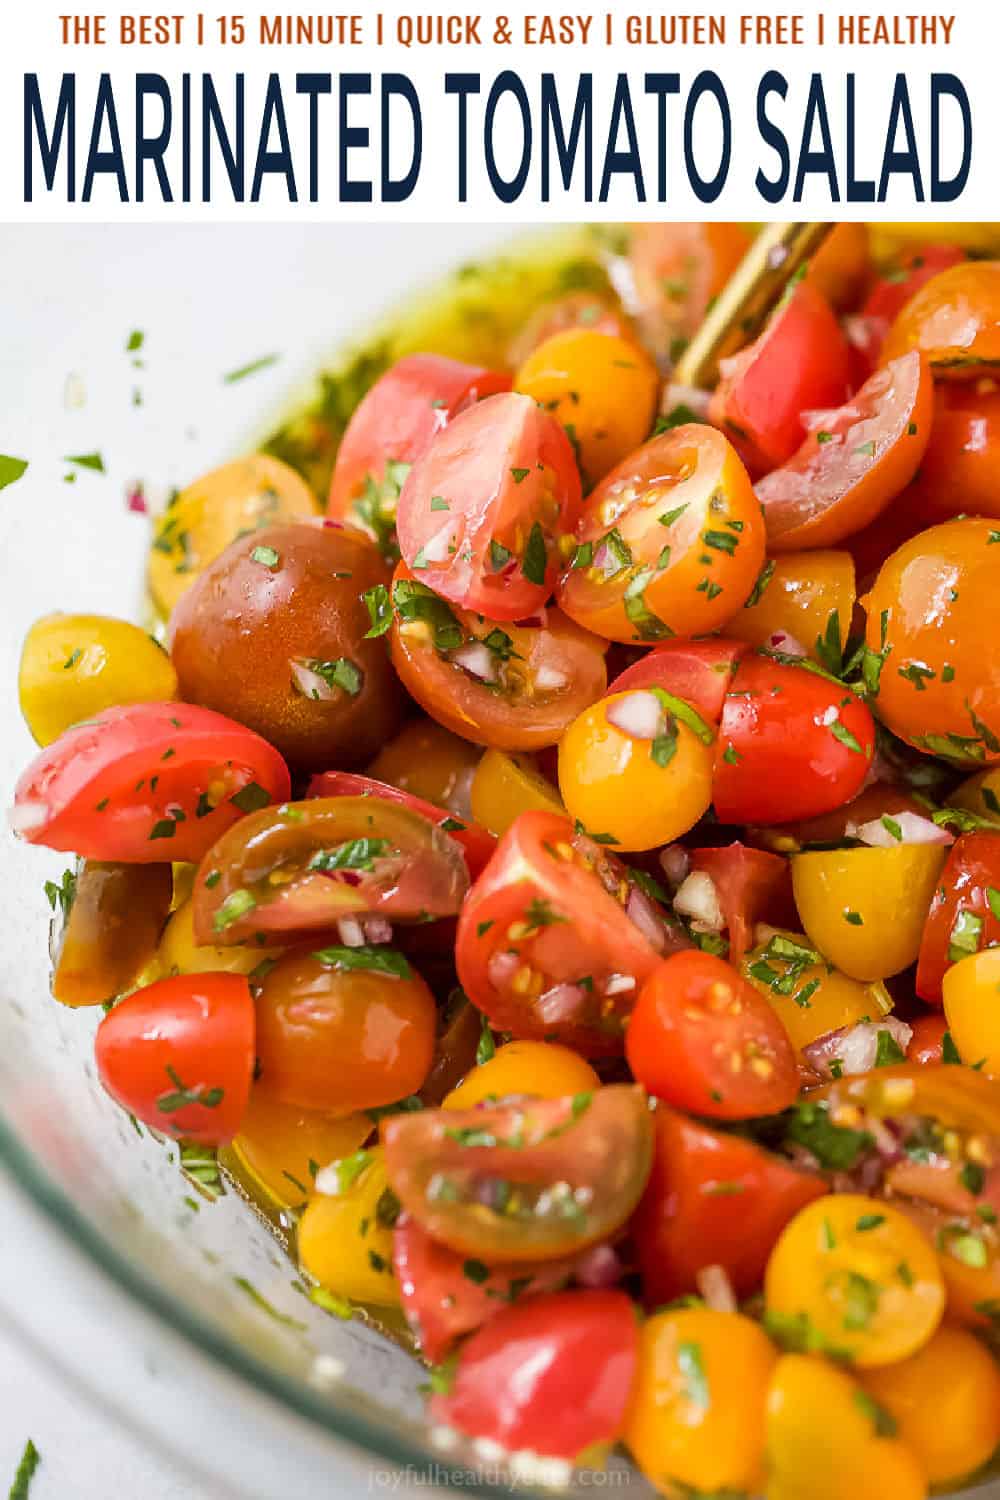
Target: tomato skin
(752,886)
(476,843)
(788,762)
(712,1199)
(798,364)
(93,782)
(854,461)
(396,420)
(515,711)
(427,761)
(697,671)
(542,1070)
(842,265)
(960,472)
(198,1028)
(505,786)
(955,320)
(678,269)
(798,599)
(912,270)
(927,1041)
(971,870)
(704,1040)
(277,1143)
(836,827)
(476,467)
(110,932)
(345,1242)
(552,1375)
(599,311)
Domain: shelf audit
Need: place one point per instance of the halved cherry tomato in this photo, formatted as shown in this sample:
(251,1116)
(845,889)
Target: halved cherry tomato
(525,1180)
(345,1238)
(927,1042)
(809,596)
(505,786)
(299,867)
(791,744)
(960,471)
(179,1055)
(280,1146)
(712,1199)
(483,511)
(344,1029)
(965,913)
(542,1070)
(512,686)
(427,761)
(970,991)
(445,1295)
(547,945)
(552,1375)
(106,927)
(854,461)
(798,364)
(669,543)
(146,783)
(678,269)
(391,427)
(476,843)
(697,671)
(954,319)
(702,1038)
(751,886)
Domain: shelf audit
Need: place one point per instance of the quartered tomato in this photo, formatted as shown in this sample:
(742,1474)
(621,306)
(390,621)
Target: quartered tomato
(934,619)
(556,937)
(696,671)
(792,744)
(798,364)
(678,270)
(179,1055)
(702,1038)
(108,920)
(390,428)
(300,867)
(954,319)
(146,783)
(964,915)
(712,1199)
(551,1376)
(512,686)
(523,1180)
(854,461)
(960,472)
(483,511)
(927,1042)
(669,543)
(750,885)
(476,844)
(809,596)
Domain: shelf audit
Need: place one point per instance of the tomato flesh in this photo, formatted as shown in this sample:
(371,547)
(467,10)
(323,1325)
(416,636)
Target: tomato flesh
(752,886)
(699,672)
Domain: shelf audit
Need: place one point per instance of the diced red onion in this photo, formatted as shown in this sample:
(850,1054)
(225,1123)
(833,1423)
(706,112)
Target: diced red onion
(643,913)
(559,1003)
(698,898)
(501,968)
(637,714)
(854,1047)
(549,678)
(377,929)
(27,816)
(675,862)
(333,525)
(913,829)
(351,932)
(310,684)
(619,984)
(599,1267)
(716,1288)
(536,621)
(135,498)
(786,644)
(476,659)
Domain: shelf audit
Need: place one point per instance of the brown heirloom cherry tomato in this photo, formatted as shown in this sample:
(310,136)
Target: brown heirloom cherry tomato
(523,1180)
(274,634)
(109,932)
(476,844)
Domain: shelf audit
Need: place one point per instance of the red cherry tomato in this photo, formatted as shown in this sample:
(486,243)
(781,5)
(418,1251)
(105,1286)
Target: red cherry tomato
(546,944)
(484,510)
(552,1375)
(927,1042)
(799,363)
(696,671)
(390,428)
(476,843)
(899,281)
(792,744)
(712,1199)
(960,472)
(179,1055)
(752,886)
(704,1040)
(442,1300)
(961,919)
(854,462)
(146,783)
(511,686)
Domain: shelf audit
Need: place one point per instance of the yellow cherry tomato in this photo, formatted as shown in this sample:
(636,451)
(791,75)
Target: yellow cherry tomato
(430,762)
(641,792)
(826,1439)
(178,952)
(73,666)
(865,909)
(971,991)
(601,387)
(810,996)
(945,1400)
(279,1146)
(345,1239)
(860,1275)
(981,795)
(202,520)
(800,598)
(504,786)
(542,1069)
(696,1415)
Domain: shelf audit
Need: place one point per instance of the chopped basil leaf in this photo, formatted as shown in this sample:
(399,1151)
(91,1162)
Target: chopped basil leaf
(378,960)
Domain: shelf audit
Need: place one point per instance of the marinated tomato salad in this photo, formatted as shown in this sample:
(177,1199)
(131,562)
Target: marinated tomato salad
(560,866)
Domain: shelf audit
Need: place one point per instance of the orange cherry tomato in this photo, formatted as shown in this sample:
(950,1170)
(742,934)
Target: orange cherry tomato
(854,461)
(960,472)
(954,319)
(678,269)
(335,1036)
(599,311)
(280,1146)
(428,761)
(934,619)
(670,542)
(840,267)
(809,596)
(541,1070)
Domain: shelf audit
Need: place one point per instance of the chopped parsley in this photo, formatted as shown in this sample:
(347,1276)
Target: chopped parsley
(966,931)
(30,1459)
(377,960)
(236,905)
(341,673)
(415,601)
(11,469)
(182,1095)
(692,1367)
(61,895)
(267,556)
(356,854)
(836,1147)
(243,371)
(763,579)
(251,798)
(379,610)
(92,461)
(535,559)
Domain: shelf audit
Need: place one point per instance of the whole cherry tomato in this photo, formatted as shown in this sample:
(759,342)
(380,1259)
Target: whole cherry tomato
(898,282)
(809,596)
(697,671)
(841,265)
(430,762)
(476,843)
(280,1146)
(954,319)
(965,913)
